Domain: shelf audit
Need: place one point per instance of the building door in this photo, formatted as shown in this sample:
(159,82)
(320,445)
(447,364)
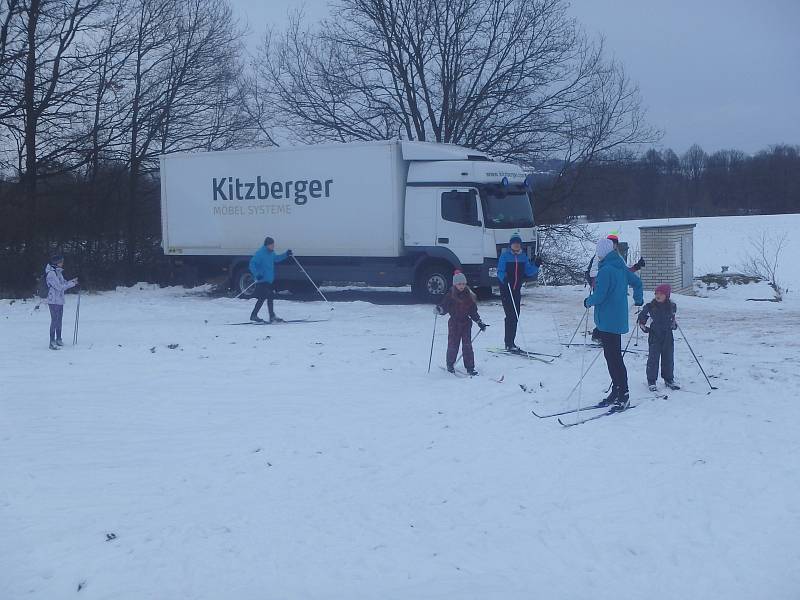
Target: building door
(687,266)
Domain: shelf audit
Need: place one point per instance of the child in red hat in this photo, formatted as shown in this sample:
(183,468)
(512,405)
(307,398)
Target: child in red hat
(661,345)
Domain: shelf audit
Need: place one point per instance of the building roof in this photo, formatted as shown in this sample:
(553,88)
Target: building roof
(667,226)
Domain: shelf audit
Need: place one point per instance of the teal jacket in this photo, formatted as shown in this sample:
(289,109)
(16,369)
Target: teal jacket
(262,265)
(610,295)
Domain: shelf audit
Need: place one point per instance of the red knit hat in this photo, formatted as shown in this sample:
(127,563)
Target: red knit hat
(664,288)
(613,237)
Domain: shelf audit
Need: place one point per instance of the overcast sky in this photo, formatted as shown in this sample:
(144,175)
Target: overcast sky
(721,73)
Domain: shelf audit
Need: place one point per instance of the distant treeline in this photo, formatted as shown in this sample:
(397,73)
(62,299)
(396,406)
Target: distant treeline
(662,184)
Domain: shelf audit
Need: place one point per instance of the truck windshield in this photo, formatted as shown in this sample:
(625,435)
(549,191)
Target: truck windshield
(507,212)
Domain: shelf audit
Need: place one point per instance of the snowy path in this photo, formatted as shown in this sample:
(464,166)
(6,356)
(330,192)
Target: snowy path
(320,461)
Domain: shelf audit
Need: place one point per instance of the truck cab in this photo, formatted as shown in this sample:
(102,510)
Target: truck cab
(461,208)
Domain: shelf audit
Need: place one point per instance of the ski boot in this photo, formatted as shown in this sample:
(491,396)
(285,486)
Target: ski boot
(514,349)
(672,385)
(652,387)
(610,399)
(622,402)
(275,319)
(256,319)
(54,346)
(59,342)
(451,369)
(472,372)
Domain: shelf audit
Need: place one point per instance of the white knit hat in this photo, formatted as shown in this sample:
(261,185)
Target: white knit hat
(459,278)
(604,246)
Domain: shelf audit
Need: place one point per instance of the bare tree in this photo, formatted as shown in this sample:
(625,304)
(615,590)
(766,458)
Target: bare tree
(764,259)
(182,89)
(516,78)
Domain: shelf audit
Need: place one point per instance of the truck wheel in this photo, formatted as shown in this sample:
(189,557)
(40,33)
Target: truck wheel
(434,282)
(484,293)
(242,280)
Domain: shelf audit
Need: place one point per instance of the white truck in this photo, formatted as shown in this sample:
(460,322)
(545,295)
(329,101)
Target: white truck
(387,213)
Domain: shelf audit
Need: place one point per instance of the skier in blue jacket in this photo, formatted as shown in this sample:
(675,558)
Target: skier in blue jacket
(262,267)
(512,270)
(610,302)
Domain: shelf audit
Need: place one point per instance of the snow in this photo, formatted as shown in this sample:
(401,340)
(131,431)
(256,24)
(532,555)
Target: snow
(726,241)
(320,461)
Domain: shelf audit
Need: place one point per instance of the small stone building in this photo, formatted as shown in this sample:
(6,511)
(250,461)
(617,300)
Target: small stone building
(668,251)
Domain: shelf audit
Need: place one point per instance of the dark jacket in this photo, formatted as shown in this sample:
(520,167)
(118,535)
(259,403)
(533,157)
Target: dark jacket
(513,269)
(662,315)
(460,306)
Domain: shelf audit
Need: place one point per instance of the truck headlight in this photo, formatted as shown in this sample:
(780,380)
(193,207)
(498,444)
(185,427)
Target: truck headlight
(492,271)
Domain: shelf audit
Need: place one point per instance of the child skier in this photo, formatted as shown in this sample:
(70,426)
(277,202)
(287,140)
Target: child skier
(56,286)
(460,303)
(661,312)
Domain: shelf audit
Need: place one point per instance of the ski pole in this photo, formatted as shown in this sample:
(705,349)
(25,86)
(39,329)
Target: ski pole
(516,312)
(589,368)
(574,333)
(297,262)
(433,338)
(583,362)
(77,319)
(474,337)
(244,291)
(695,358)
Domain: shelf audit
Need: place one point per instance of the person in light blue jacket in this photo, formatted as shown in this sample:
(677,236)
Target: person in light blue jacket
(610,302)
(262,267)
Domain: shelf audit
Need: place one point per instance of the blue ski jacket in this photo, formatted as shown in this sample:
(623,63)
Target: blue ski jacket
(262,265)
(610,295)
(512,269)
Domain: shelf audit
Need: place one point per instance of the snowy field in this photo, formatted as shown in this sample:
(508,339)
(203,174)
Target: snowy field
(320,461)
(726,241)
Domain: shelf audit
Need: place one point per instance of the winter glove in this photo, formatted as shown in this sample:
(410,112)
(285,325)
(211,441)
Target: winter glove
(482,326)
(644,327)
(438,310)
(639,303)
(586,302)
(289,252)
(674,325)
(640,263)
(538,261)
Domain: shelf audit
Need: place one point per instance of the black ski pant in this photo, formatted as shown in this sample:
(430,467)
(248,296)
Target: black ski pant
(511,306)
(612,350)
(660,345)
(264,291)
(56,316)
(460,332)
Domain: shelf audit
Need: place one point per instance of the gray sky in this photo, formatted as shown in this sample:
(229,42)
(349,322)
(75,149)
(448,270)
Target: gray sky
(721,73)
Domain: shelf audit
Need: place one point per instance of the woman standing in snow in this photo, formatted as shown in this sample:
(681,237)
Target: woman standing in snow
(56,286)
(610,301)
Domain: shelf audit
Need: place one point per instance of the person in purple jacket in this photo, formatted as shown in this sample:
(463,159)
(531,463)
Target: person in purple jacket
(56,286)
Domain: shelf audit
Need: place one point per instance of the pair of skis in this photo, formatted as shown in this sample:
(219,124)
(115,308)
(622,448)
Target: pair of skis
(278,322)
(611,410)
(540,356)
(464,375)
